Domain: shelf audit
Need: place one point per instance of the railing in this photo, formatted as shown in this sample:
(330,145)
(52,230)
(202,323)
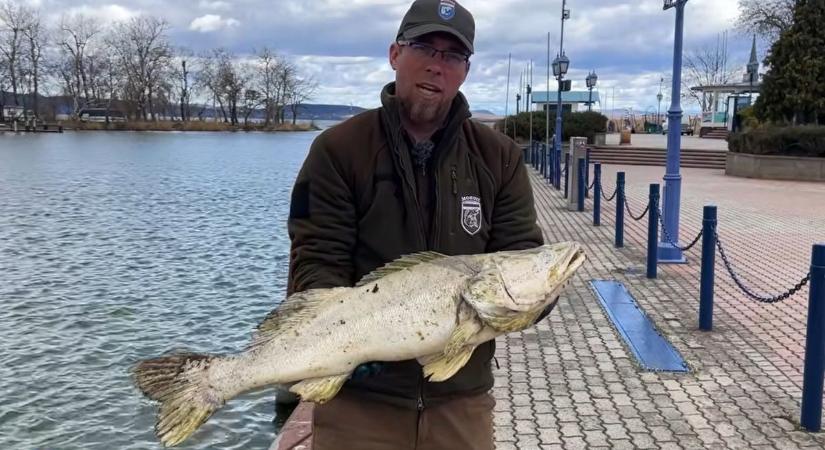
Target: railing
(814,372)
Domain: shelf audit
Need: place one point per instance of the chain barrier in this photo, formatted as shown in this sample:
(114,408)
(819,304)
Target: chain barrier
(759,298)
(670,239)
(610,199)
(627,206)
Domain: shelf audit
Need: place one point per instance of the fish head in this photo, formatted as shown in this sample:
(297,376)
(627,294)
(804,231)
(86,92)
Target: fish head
(514,287)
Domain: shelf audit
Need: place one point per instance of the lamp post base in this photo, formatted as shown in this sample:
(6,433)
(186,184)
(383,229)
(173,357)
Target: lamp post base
(668,254)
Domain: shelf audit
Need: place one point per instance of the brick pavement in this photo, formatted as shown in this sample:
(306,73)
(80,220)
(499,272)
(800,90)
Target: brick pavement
(571,383)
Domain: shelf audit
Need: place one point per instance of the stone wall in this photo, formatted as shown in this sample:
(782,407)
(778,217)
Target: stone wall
(767,167)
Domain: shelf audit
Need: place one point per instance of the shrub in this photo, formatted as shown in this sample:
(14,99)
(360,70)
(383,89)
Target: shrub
(585,124)
(773,140)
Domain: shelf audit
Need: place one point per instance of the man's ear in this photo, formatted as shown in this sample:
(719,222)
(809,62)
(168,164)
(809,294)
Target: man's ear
(395,50)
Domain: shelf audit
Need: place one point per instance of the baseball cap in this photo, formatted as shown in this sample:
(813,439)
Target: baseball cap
(431,16)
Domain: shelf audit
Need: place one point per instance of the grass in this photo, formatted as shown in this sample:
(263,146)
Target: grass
(194,125)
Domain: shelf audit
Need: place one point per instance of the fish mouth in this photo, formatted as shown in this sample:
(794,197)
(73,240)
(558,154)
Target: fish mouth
(573,258)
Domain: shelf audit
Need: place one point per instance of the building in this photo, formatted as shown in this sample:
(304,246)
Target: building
(724,101)
(571,101)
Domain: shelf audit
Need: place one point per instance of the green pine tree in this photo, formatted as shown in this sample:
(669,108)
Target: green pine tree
(793,90)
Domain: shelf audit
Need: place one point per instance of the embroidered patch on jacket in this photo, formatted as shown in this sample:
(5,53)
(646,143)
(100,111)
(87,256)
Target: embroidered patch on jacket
(471,214)
(446,9)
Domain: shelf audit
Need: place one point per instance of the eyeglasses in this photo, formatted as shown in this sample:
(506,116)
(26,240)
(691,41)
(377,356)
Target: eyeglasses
(452,59)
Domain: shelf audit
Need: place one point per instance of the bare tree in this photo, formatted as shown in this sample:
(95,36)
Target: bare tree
(707,66)
(182,81)
(35,38)
(765,18)
(77,35)
(267,81)
(144,53)
(13,19)
(285,78)
(209,77)
(299,91)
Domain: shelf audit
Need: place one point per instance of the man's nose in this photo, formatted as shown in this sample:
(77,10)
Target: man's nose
(435,64)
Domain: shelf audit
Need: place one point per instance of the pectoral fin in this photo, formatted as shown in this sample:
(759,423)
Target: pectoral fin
(462,334)
(442,367)
(319,390)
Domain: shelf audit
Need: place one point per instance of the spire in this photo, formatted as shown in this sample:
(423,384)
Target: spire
(753,53)
(752,75)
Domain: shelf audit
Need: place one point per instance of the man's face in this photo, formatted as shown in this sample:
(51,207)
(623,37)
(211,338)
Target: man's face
(426,85)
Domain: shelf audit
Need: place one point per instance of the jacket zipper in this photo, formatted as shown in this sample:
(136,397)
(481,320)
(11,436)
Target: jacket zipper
(454,177)
(421,232)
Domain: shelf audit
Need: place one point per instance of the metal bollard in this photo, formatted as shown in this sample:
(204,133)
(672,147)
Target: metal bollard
(620,199)
(587,173)
(653,232)
(708,265)
(812,378)
(582,185)
(597,194)
(566,174)
(548,170)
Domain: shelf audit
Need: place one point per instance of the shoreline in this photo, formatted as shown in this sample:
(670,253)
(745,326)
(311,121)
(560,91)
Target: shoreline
(186,126)
(170,126)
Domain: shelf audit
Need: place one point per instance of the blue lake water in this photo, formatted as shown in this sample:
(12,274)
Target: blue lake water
(115,247)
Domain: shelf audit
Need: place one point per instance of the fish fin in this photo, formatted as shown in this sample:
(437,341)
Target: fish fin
(442,367)
(186,399)
(467,328)
(404,262)
(319,390)
(292,311)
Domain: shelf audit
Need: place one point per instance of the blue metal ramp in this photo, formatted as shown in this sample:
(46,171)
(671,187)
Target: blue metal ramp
(652,350)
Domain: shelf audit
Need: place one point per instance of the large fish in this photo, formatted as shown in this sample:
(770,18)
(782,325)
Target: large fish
(425,306)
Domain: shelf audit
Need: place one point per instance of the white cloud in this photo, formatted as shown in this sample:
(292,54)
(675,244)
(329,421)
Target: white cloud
(212,22)
(215,5)
(105,14)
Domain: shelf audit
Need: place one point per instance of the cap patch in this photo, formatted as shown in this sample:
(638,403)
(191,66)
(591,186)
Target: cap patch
(446,9)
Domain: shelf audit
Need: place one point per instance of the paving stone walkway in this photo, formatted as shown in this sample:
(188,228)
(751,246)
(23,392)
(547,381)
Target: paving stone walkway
(571,383)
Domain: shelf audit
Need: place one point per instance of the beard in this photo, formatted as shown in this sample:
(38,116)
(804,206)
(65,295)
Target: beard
(422,111)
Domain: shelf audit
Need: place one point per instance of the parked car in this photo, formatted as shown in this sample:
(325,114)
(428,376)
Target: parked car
(687,127)
(99,115)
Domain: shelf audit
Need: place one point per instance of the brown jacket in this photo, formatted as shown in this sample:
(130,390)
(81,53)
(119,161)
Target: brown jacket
(355,207)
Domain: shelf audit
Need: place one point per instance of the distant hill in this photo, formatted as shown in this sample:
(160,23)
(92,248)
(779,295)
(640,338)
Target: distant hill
(325,112)
(483,112)
(65,105)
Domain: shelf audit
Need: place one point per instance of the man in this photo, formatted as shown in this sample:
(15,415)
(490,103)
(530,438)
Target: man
(410,176)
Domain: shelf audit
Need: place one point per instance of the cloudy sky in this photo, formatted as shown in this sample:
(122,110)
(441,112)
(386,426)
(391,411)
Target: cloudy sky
(343,43)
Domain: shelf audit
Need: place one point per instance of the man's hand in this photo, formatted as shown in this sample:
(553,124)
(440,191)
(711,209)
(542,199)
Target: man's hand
(367,370)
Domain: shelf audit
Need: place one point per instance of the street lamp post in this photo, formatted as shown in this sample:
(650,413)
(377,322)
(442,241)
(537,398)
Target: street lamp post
(591,80)
(669,253)
(659,97)
(560,66)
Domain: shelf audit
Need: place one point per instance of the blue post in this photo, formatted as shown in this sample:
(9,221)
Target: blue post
(597,194)
(548,156)
(653,232)
(566,174)
(812,378)
(581,185)
(587,173)
(620,199)
(673,180)
(708,265)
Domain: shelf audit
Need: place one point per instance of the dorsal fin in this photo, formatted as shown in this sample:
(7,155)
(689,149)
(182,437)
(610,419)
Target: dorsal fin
(404,262)
(291,312)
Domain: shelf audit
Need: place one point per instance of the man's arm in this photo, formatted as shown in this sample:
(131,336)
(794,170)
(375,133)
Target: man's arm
(514,224)
(322,224)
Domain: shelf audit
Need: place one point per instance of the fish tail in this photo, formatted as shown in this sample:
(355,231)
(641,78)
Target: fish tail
(179,382)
